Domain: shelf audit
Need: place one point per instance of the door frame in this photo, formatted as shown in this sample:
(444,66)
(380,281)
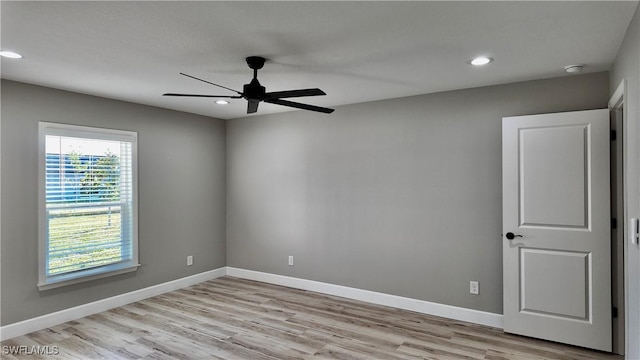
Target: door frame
(631,274)
(618,264)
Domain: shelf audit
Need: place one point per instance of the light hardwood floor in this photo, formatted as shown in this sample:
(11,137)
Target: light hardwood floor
(230,318)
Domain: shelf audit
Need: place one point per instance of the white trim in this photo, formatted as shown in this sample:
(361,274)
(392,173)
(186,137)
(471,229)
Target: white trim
(92,132)
(115,269)
(618,95)
(59,317)
(46,282)
(421,306)
(616,102)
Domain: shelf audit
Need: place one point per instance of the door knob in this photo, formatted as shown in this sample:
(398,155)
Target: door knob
(512,236)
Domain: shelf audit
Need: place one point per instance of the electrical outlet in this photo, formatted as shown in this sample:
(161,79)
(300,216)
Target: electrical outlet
(189,260)
(474,287)
(290,260)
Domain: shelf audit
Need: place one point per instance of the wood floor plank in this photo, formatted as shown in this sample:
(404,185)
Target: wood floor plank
(231,318)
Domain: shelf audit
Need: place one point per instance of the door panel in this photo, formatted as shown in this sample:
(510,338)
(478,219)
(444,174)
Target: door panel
(538,279)
(545,179)
(557,283)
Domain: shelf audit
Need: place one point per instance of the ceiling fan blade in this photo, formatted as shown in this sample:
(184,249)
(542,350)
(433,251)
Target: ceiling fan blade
(209,82)
(300,106)
(294,93)
(198,95)
(252,106)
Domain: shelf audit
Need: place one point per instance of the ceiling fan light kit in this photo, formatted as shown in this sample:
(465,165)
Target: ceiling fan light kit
(254,92)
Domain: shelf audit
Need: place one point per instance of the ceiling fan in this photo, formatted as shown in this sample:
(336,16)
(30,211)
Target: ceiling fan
(255,93)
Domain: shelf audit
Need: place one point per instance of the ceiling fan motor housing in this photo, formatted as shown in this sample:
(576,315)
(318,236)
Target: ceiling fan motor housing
(254,90)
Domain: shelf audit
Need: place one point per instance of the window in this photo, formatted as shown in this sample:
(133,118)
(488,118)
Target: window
(87,198)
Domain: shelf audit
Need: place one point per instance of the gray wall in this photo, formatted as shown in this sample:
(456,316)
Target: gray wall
(181,203)
(627,66)
(400,196)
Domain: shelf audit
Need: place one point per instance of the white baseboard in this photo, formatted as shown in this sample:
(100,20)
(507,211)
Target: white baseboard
(421,306)
(59,317)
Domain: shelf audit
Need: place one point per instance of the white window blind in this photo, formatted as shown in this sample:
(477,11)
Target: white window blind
(89,214)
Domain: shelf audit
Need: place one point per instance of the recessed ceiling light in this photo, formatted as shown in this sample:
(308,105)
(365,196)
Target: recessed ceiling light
(10,54)
(222,102)
(480,60)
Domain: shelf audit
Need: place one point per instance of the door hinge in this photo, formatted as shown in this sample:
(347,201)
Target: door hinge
(613,135)
(614,223)
(614,312)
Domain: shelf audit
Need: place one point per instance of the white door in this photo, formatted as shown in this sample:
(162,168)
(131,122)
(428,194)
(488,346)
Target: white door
(557,226)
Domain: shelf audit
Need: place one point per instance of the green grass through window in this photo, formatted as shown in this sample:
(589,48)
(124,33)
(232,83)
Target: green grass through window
(83,238)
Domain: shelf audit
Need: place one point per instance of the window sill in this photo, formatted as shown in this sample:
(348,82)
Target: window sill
(87,275)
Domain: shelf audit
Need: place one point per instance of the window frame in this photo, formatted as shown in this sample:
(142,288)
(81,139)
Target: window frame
(57,129)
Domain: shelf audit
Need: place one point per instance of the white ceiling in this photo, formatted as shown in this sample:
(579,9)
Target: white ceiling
(354,51)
